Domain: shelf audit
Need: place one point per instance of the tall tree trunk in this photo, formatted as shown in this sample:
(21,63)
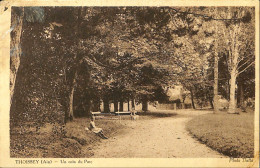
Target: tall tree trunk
(96,105)
(128,105)
(71,97)
(144,104)
(228,88)
(69,115)
(210,100)
(66,117)
(241,98)
(192,99)
(89,108)
(116,105)
(216,97)
(133,104)
(211,104)
(216,59)
(16,50)
(232,98)
(239,88)
(121,105)
(106,105)
(233,72)
(182,103)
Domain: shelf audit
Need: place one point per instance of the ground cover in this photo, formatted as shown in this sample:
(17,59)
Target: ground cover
(54,141)
(230,134)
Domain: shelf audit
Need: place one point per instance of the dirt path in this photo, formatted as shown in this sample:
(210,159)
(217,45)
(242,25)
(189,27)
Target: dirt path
(163,137)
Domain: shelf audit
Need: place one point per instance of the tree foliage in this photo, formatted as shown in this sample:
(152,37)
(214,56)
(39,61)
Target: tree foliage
(71,54)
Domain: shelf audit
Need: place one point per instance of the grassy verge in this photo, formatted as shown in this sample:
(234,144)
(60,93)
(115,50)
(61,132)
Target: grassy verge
(230,134)
(49,142)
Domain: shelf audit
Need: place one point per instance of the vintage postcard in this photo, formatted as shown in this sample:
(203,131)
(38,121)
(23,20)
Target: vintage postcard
(163,83)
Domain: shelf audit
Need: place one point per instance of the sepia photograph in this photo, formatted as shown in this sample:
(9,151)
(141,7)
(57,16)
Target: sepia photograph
(132,82)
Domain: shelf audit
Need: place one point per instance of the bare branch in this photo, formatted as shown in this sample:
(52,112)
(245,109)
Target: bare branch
(245,68)
(245,63)
(249,56)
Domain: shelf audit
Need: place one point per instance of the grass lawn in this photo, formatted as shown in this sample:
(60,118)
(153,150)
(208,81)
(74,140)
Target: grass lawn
(47,142)
(230,134)
(75,140)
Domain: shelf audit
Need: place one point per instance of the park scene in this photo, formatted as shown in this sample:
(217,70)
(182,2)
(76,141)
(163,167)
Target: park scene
(132,82)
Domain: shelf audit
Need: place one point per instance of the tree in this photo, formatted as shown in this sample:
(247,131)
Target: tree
(239,36)
(115,54)
(234,26)
(194,52)
(16,52)
(33,75)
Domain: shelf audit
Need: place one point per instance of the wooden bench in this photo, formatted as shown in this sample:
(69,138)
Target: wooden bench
(95,114)
(101,115)
(118,113)
(122,112)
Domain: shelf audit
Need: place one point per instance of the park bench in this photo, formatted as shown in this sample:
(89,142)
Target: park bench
(95,114)
(132,114)
(100,115)
(122,113)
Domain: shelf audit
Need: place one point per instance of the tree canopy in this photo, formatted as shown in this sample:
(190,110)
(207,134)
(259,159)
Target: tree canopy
(121,53)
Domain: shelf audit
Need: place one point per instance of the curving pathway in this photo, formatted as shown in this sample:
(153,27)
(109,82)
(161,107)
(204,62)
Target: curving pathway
(164,137)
